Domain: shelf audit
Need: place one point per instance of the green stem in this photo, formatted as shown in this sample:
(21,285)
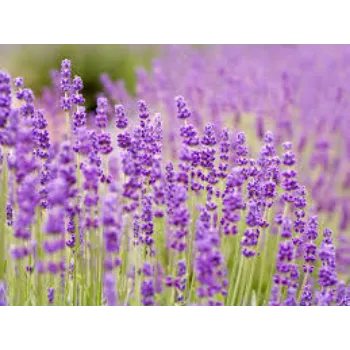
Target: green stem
(93,267)
(100,268)
(238,280)
(302,287)
(69,290)
(78,270)
(262,265)
(67,119)
(40,256)
(75,275)
(172,272)
(278,239)
(234,267)
(22,285)
(248,289)
(3,203)
(191,234)
(137,291)
(262,236)
(243,282)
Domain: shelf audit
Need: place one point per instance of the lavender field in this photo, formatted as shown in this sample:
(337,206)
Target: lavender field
(223,179)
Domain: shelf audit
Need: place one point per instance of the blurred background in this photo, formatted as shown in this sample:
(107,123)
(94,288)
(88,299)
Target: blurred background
(35,59)
(34,62)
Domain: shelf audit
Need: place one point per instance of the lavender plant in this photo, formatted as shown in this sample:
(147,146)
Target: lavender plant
(135,208)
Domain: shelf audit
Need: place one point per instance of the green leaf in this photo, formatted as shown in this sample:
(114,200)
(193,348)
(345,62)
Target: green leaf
(253,301)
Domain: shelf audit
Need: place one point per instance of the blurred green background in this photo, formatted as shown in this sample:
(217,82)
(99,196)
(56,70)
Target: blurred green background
(34,63)
(35,59)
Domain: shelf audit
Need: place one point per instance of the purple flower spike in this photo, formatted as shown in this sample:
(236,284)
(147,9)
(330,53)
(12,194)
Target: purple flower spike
(65,82)
(5,99)
(51,295)
(79,118)
(121,121)
(101,112)
(104,143)
(143,109)
(19,83)
(3,294)
(77,84)
(109,289)
(182,109)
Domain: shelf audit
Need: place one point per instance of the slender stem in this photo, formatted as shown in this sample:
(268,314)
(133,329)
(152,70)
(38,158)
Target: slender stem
(3,201)
(137,291)
(257,257)
(233,269)
(100,267)
(68,295)
(262,264)
(236,256)
(77,262)
(278,239)
(40,253)
(237,282)
(172,272)
(302,287)
(76,266)
(250,282)
(191,233)
(93,267)
(243,282)
(67,119)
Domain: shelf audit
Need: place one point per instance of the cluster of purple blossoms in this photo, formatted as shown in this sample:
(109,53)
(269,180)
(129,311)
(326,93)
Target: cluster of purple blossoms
(148,291)
(5,99)
(287,271)
(101,112)
(232,201)
(156,178)
(310,249)
(182,110)
(91,174)
(60,188)
(307,296)
(24,165)
(79,117)
(178,215)
(121,121)
(41,135)
(3,294)
(209,264)
(112,234)
(178,221)
(327,275)
(343,294)
(77,85)
(51,295)
(65,85)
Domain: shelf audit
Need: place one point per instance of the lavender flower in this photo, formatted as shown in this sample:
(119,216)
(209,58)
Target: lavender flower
(121,118)
(79,117)
(109,289)
(187,210)
(65,75)
(182,110)
(51,295)
(101,112)
(5,99)
(3,294)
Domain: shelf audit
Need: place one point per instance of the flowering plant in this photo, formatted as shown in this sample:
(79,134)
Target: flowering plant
(153,210)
